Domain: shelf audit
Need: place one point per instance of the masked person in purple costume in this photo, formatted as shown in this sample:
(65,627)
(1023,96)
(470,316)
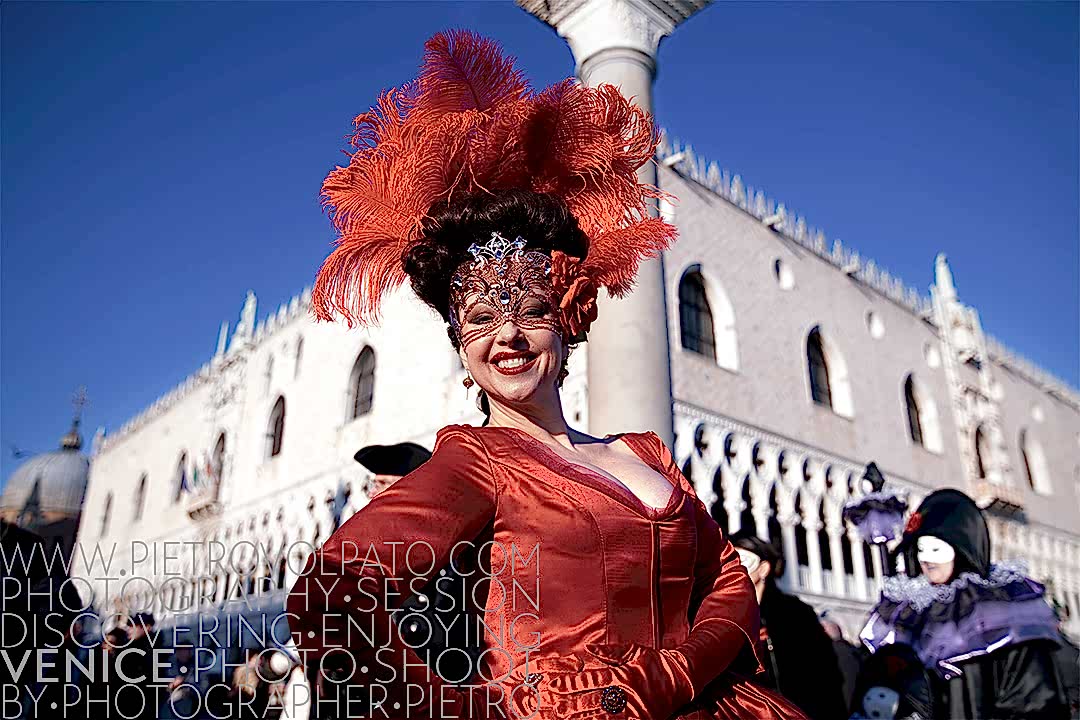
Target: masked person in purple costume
(984,631)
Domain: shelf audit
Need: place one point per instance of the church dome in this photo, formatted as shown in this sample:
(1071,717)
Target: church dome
(50,482)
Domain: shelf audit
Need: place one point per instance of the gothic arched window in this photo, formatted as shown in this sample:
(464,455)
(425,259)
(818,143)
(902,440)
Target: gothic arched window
(105,515)
(1035,468)
(820,390)
(980,452)
(217,460)
(299,357)
(695,316)
(362,384)
(140,498)
(275,433)
(915,431)
(180,482)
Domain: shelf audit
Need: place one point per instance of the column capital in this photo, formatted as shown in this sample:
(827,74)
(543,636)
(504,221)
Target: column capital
(593,26)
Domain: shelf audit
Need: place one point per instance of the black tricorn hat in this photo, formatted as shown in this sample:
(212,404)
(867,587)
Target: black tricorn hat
(399,459)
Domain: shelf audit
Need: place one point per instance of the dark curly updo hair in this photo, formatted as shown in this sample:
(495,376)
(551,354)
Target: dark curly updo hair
(544,221)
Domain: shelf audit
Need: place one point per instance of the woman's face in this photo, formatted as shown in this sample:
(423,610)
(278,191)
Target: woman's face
(518,356)
(937,559)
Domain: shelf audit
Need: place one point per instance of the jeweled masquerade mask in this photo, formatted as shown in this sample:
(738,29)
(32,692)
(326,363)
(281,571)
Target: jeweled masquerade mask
(506,282)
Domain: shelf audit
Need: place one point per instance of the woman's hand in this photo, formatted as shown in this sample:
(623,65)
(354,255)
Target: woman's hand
(605,681)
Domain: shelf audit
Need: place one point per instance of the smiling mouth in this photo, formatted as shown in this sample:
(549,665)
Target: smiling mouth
(513,363)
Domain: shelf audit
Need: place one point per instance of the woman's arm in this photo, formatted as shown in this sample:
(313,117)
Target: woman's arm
(340,607)
(724,608)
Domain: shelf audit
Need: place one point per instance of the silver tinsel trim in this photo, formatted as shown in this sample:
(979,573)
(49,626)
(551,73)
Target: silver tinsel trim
(921,594)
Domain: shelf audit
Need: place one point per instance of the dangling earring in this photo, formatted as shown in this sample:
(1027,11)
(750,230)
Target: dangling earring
(467,382)
(562,376)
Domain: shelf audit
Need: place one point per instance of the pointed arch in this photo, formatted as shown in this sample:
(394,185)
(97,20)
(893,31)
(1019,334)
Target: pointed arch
(823,539)
(140,498)
(217,460)
(775,531)
(180,479)
(914,422)
(746,517)
(827,374)
(695,315)
(719,512)
(362,384)
(275,431)
(298,362)
(802,553)
(982,450)
(921,413)
(106,515)
(707,318)
(1036,470)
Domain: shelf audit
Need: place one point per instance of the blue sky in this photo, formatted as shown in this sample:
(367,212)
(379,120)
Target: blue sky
(158,160)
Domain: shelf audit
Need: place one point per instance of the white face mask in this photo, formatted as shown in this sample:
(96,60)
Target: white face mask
(935,551)
(749,560)
(881,703)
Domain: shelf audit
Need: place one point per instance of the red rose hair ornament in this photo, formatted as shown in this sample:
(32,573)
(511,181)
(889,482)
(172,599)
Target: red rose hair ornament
(914,523)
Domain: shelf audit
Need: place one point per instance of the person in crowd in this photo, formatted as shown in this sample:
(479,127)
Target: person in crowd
(250,693)
(849,658)
(186,687)
(798,656)
(893,684)
(985,631)
(61,694)
(433,621)
(106,683)
(1067,661)
(508,210)
(137,661)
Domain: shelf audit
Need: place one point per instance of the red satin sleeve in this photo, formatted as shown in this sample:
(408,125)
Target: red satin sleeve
(723,605)
(384,553)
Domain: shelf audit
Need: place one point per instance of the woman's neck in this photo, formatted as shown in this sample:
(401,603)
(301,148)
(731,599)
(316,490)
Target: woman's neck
(544,421)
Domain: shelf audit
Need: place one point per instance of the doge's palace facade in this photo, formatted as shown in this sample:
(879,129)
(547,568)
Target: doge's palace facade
(792,363)
(254,450)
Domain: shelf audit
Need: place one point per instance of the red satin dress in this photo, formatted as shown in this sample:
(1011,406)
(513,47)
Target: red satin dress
(603,606)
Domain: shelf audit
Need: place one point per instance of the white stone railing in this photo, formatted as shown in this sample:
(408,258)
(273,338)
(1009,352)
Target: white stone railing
(790,483)
(804,478)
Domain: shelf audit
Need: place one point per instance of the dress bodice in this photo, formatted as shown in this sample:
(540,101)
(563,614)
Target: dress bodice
(568,557)
(604,560)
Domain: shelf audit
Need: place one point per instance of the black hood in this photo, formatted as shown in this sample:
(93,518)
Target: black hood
(952,516)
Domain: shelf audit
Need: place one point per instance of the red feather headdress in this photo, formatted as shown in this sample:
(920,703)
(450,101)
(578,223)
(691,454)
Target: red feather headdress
(471,123)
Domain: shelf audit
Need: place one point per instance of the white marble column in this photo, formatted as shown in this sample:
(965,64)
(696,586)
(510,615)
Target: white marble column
(875,558)
(812,524)
(858,562)
(615,41)
(788,519)
(836,552)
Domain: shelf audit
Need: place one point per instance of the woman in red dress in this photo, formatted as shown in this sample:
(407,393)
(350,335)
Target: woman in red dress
(607,590)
